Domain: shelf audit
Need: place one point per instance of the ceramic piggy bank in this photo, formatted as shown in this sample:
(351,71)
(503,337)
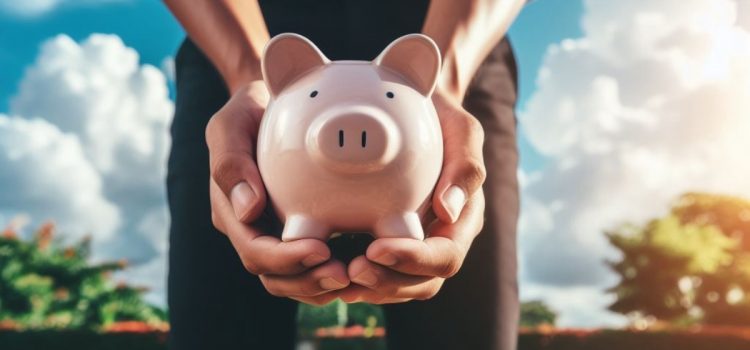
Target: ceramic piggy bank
(350,146)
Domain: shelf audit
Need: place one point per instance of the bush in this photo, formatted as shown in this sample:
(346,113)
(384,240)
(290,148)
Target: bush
(338,313)
(536,313)
(47,286)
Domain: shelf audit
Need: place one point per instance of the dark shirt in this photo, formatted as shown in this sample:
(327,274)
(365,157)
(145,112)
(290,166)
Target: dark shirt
(344,29)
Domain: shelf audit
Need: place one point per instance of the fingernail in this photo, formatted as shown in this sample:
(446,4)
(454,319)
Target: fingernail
(365,278)
(242,196)
(454,200)
(386,259)
(329,283)
(313,260)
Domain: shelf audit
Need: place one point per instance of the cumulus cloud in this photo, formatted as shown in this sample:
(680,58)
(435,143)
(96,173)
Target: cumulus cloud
(578,306)
(151,275)
(119,108)
(46,174)
(652,101)
(112,114)
(168,67)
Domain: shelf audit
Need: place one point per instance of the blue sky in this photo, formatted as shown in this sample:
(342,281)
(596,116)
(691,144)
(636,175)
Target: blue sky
(148,27)
(540,24)
(620,112)
(144,25)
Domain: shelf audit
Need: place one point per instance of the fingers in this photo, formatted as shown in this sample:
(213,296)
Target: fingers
(396,270)
(263,254)
(268,255)
(378,285)
(230,136)
(322,279)
(239,179)
(283,267)
(463,166)
(435,256)
(441,254)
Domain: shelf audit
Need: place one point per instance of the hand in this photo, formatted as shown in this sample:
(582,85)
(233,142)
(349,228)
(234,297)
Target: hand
(300,269)
(400,269)
(396,270)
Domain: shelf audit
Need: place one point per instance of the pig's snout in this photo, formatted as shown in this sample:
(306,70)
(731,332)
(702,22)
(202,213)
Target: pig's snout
(354,140)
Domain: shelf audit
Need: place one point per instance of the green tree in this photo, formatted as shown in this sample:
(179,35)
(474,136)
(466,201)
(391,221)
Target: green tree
(44,285)
(536,313)
(687,267)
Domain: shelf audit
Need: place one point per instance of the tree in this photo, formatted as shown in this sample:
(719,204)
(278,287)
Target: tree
(43,286)
(687,267)
(536,313)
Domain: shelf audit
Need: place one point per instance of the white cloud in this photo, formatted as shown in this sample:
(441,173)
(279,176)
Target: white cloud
(97,90)
(575,306)
(652,101)
(116,112)
(168,67)
(33,8)
(45,173)
(29,7)
(152,275)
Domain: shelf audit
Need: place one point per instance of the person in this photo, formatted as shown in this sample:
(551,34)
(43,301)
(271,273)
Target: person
(457,289)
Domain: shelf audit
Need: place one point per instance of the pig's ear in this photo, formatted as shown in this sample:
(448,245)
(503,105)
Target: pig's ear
(416,57)
(286,58)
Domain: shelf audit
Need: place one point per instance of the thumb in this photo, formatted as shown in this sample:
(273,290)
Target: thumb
(230,136)
(238,177)
(463,166)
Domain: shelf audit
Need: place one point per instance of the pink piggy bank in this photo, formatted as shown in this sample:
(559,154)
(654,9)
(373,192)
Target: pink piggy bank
(350,146)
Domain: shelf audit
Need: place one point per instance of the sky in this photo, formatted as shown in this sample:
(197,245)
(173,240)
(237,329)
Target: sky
(623,106)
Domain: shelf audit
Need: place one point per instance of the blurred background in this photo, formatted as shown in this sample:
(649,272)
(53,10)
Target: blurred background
(635,131)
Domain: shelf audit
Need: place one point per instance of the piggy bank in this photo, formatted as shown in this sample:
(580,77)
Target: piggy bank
(350,146)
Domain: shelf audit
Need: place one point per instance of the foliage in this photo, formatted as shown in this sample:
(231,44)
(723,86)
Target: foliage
(533,313)
(691,266)
(338,313)
(46,286)
(536,313)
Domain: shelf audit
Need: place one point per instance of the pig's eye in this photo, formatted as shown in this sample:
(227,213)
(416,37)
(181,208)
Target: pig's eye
(389,94)
(314,93)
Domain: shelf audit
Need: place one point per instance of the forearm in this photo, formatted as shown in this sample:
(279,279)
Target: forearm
(232,33)
(466,31)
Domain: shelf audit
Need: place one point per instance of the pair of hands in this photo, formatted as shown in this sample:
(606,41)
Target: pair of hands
(393,269)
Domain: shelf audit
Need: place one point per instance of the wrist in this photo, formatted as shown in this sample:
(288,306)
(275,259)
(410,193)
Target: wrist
(451,36)
(455,71)
(451,81)
(242,78)
(240,67)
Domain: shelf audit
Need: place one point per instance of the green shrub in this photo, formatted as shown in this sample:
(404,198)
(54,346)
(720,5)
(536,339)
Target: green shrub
(47,286)
(338,313)
(536,313)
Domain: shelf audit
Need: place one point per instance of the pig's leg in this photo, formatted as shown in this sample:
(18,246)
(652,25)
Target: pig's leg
(300,226)
(401,225)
